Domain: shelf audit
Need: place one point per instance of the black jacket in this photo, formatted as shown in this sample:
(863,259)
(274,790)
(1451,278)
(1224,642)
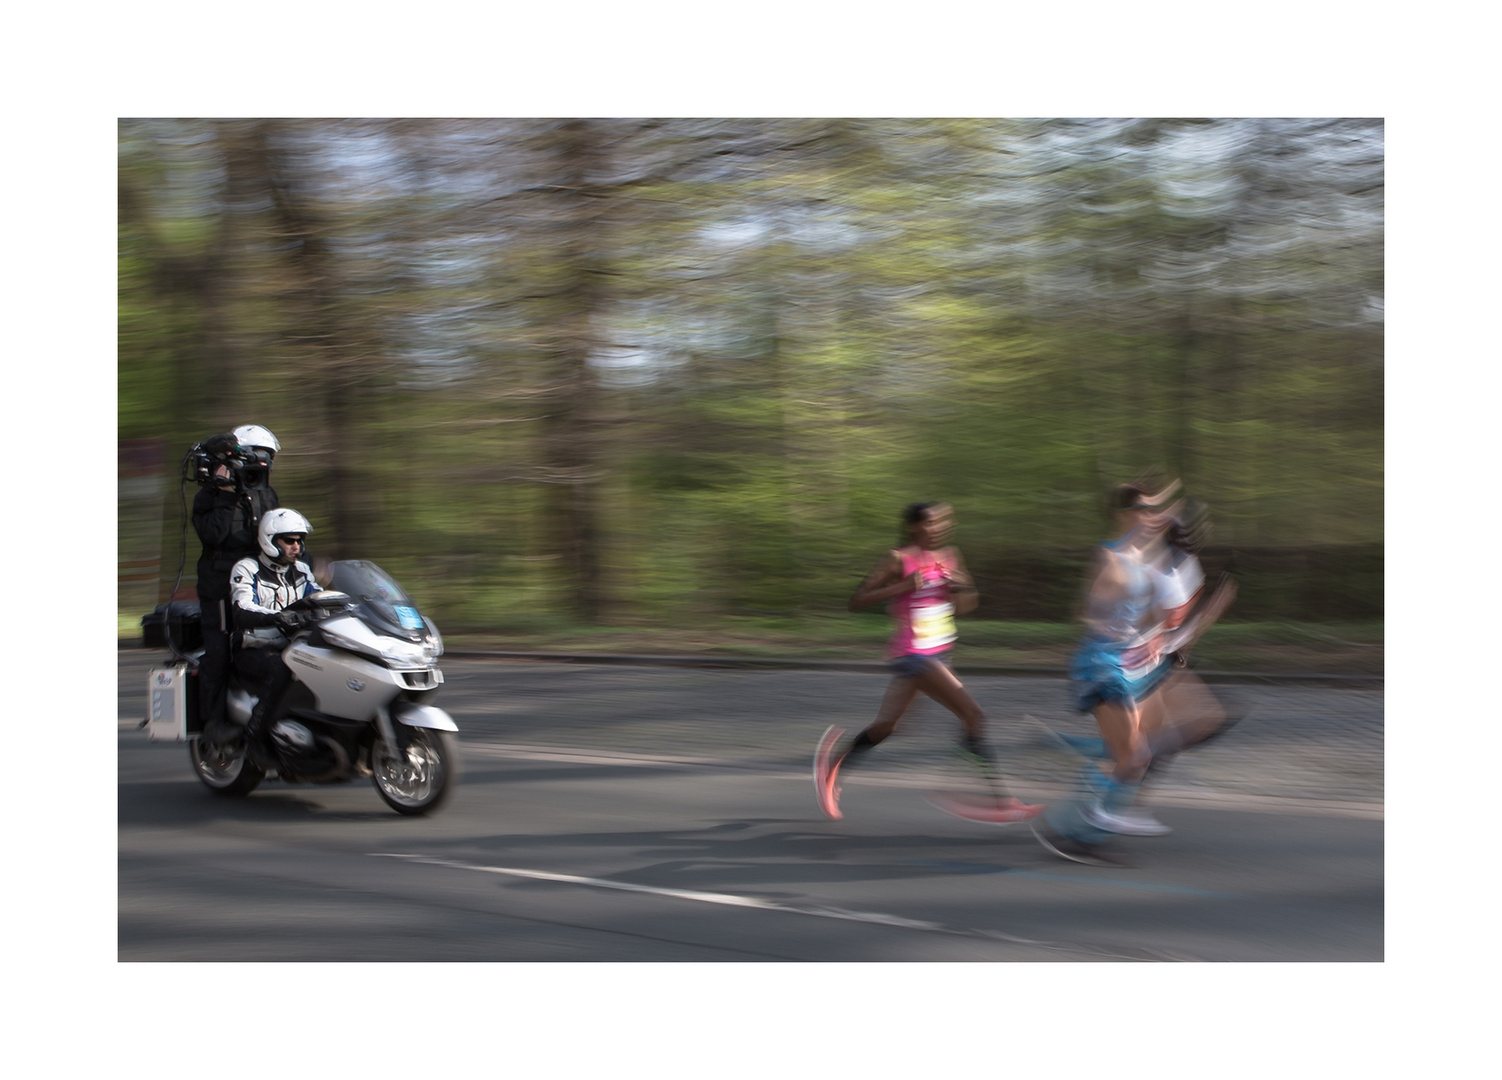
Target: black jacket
(226,524)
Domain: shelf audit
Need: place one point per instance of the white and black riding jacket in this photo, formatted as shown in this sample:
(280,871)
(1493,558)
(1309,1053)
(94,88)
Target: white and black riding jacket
(259,589)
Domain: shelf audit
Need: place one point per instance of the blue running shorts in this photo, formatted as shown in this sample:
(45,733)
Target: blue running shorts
(911,665)
(1098,675)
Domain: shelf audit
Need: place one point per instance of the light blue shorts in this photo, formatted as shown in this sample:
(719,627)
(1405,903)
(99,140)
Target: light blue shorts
(1098,676)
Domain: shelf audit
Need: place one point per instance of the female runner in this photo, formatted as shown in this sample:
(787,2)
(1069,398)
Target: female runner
(924,583)
(1188,714)
(1116,669)
(1175,710)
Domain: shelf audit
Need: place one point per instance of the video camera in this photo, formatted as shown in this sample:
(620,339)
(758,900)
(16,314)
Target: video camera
(206,457)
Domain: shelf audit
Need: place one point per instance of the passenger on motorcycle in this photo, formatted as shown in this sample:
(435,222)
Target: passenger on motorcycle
(260,448)
(261,590)
(225,515)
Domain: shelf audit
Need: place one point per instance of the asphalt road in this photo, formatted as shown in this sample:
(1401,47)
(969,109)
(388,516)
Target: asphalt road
(610,814)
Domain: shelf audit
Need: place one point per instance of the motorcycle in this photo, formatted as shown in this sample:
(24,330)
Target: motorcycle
(364,673)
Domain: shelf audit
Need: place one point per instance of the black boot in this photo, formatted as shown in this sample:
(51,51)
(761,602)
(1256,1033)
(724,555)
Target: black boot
(258,739)
(222,732)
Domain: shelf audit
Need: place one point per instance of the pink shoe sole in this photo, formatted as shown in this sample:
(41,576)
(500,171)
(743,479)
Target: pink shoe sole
(825,774)
(985,810)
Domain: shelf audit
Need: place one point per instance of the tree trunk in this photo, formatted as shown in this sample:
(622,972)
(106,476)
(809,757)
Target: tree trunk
(571,433)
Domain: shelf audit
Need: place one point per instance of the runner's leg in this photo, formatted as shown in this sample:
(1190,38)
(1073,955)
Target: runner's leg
(894,706)
(830,762)
(941,684)
(1192,712)
(1120,724)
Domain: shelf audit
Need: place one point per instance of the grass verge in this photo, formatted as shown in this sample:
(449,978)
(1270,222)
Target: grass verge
(1262,647)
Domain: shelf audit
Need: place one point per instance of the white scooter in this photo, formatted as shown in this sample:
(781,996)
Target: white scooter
(364,671)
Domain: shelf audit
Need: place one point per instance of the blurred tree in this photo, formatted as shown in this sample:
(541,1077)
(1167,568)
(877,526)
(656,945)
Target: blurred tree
(644,369)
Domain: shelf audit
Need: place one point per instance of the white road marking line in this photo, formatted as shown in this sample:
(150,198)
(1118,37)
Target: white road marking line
(732,900)
(727,899)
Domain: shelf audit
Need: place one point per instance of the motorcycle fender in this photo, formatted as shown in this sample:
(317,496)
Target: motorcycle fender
(428,716)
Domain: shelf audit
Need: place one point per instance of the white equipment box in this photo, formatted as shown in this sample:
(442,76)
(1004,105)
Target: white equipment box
(167,710)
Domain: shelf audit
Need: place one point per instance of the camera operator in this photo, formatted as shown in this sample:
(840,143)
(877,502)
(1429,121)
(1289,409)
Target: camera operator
(226,512)
(260,449)
(262,587)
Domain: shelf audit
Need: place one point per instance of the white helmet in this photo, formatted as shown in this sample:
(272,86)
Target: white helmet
(255,436)
(275,523)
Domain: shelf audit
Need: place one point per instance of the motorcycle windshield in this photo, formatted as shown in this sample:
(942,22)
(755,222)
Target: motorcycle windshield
(381,601)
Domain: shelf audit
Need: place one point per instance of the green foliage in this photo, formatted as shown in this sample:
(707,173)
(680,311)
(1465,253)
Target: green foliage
(645,373)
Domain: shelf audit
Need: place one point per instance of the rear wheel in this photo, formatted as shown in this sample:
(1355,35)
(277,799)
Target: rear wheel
(224,770)
(420,776)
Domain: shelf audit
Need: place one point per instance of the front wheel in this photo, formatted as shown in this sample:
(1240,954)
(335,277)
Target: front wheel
(420,777)
(224,771)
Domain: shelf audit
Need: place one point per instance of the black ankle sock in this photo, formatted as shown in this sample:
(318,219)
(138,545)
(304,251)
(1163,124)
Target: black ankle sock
(858,745)
(974,744)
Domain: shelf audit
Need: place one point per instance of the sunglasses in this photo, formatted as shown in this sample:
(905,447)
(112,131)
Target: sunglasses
(289,540)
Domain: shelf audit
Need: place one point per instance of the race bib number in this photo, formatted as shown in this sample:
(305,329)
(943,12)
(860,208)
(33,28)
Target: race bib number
(933,626)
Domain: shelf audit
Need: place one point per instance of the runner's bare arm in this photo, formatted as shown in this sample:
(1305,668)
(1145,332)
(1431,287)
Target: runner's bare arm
(1209,609)
(884,583)
(1106,587)
(961,585)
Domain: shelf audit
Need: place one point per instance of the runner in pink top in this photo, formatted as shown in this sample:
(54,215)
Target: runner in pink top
(925,616)
(924,584)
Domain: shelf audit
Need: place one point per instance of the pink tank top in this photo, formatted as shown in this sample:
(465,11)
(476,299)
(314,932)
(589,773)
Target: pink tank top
(925,618)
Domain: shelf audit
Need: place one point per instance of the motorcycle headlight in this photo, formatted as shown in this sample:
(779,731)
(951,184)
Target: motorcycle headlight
(404,654)
(432,645)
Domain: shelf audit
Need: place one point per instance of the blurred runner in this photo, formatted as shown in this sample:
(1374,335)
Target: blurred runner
(923,583)
(1181,711)
(1190,715)
(1116,668)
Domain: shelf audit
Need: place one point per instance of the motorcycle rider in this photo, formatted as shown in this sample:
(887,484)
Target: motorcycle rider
(261,589)
(225,514)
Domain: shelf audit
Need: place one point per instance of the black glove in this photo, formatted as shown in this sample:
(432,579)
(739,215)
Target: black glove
(289,621)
